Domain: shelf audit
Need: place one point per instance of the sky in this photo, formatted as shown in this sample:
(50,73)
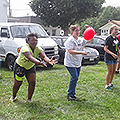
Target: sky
(21,7)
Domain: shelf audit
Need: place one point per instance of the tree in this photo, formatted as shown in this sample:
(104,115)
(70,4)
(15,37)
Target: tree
(89,21)
(109,13)
(63,13)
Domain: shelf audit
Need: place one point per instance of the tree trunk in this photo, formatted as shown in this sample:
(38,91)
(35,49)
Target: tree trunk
(66,32)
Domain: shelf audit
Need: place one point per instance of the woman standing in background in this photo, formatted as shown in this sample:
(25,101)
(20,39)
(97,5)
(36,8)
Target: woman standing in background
(111,55)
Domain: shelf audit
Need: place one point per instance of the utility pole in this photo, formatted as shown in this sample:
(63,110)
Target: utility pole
(9,10)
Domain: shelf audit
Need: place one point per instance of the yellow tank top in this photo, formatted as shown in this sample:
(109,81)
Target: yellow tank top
(23,61)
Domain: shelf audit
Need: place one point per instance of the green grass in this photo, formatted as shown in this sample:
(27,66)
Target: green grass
(49,99)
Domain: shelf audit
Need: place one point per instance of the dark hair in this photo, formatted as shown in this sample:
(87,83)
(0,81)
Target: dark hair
(31,35)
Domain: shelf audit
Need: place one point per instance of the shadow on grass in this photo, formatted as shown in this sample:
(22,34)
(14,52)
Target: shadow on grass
(4,67)
(37,109)
(42,109)
(116,91)
(86,105)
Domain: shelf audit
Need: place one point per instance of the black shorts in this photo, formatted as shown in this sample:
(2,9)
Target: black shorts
(20,72)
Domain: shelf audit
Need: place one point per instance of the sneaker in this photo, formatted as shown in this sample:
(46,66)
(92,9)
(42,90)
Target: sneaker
(117,72)
(71,98)
(108,88)
(112,86)
(75,97)
(12,99)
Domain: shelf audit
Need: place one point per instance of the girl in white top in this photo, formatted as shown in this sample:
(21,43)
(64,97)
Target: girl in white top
(73,58)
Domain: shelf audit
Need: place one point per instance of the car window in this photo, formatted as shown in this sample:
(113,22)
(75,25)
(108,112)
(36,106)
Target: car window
(19,31)
(4,32)
(58,41)
(64,39)
(97,41)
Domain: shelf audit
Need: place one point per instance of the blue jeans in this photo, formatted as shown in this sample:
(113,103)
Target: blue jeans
(74,72)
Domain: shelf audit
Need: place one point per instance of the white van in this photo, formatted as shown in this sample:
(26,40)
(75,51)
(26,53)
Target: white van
(12,38)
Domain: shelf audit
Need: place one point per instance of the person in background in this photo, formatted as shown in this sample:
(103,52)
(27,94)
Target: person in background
(111,55)
(118,66)
(25,65)
(73,58)
(86,26)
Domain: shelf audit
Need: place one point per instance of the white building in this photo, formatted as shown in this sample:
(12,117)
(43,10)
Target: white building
(53,31)
(105,28)
(3,10)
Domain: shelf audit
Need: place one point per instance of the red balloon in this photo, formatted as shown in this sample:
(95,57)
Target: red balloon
(89,33)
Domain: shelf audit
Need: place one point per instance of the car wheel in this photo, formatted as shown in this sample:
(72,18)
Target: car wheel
(10,62)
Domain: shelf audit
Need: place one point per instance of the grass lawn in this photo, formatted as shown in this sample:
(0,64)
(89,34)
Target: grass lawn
(49,99)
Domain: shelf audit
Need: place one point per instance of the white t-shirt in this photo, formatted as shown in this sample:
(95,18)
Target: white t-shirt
(70,59)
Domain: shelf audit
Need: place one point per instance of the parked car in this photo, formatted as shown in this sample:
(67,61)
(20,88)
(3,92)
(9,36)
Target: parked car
(12,38)
(91,58)
(98,44)
(61,48)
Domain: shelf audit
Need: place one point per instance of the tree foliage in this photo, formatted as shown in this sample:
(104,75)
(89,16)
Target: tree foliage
(89,21)
(109,13)
(63,13)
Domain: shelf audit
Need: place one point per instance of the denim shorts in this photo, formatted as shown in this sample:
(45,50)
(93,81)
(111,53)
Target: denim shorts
(110,62)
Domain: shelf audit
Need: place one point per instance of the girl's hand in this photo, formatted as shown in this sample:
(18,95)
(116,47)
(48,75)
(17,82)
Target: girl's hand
(53,62)
(90,40)
(115,56)
(42,63)
(84,53)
